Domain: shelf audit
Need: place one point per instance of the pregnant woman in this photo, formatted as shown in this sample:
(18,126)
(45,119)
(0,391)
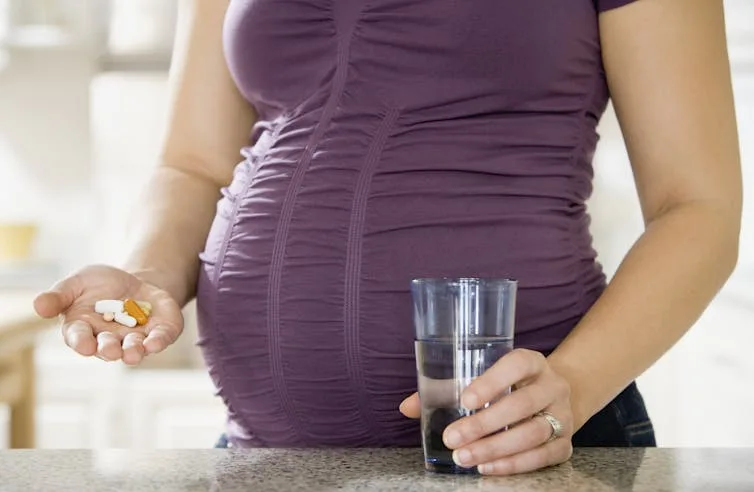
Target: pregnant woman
(384,140)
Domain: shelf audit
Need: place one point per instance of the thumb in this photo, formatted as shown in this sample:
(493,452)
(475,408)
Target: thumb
(59,298)
(411,407)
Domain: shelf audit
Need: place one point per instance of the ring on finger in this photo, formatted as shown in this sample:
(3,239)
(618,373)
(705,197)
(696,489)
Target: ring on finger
(555,424)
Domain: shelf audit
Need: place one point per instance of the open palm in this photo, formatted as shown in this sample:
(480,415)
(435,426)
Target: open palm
(86,332)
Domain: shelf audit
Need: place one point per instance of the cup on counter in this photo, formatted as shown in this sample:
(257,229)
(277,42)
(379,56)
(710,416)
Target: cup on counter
(463,326)
(16,241)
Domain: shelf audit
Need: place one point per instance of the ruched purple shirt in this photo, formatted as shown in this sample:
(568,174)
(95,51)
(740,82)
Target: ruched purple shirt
(396,139)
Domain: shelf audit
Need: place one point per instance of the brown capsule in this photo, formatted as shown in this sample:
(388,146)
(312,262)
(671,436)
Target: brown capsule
(133,310)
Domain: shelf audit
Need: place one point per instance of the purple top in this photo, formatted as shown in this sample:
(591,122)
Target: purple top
(396,139)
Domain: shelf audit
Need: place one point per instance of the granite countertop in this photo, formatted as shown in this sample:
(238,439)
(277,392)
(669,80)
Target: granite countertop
(595,469)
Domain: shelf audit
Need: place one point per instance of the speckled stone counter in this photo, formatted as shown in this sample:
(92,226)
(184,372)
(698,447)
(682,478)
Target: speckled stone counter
(718,470)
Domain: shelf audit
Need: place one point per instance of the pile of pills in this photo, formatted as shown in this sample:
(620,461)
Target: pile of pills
(127,312)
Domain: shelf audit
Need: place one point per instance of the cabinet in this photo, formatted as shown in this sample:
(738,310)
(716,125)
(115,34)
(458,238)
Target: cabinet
(88,403)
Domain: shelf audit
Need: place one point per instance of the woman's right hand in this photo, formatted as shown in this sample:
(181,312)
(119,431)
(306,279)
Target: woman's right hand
(86,332)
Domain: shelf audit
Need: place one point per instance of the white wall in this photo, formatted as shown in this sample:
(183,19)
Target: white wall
(45,165)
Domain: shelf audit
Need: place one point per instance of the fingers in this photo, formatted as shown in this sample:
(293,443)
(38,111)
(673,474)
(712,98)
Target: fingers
(79,336)
(59,298)
(133,348)
(108,346)
(552,453)
(438,393)
(517,406)
(159,338)
(529,434)
(514,367)
(411,407)
(165,324)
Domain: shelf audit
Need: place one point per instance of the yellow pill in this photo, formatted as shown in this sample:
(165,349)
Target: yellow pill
(145,306)
(133,310)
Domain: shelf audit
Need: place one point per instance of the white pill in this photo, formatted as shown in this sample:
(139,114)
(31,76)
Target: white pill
(108,316)
(125,320)
(108,306)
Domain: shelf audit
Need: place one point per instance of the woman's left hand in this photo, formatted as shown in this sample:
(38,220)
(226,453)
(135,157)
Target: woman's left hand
(526,445)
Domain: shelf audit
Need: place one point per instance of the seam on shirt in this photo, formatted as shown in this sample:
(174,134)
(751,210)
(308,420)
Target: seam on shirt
(286,215)
(352,304)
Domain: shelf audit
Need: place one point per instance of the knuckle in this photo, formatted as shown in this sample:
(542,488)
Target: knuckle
(479,388)
(526,402)
(73,283)
(520,355)
(516,465)
(482,452)
(477,426)
(501,467)
(536,361)
(528,361)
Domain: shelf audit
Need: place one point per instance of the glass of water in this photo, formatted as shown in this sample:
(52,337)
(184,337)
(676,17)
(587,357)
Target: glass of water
(463,326)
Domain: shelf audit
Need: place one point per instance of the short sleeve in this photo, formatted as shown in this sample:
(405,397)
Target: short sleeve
(603,5)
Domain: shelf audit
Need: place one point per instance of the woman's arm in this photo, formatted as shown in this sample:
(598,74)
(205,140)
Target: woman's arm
(209,123)
(668,71)
(667,67)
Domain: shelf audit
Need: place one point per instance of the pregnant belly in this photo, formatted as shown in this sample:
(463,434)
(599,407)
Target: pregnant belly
(304,348)
(305,313)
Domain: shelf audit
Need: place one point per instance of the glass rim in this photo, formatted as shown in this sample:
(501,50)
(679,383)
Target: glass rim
(502,281)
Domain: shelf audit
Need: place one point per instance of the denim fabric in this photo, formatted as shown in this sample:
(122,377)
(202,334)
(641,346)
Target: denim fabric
(624,422)
(222,442)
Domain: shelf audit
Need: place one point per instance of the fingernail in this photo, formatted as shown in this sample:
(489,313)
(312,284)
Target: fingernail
(484,469)
(452,439)
(462,457)
(154,344)
(134,345)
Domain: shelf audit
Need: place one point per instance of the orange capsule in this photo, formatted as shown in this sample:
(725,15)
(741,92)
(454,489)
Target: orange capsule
(133,310)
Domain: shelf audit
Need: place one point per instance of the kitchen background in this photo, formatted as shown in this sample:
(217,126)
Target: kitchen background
(82,95)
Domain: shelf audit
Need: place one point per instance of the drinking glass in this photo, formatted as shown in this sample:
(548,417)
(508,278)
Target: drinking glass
(463,326)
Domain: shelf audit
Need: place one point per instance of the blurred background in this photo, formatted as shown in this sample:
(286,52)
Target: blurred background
(82,100)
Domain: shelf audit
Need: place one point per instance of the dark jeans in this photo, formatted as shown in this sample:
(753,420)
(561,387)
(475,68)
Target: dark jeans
(622,423)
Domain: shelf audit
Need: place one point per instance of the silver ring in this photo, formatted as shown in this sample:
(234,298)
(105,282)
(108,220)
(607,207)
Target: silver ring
(557,426)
